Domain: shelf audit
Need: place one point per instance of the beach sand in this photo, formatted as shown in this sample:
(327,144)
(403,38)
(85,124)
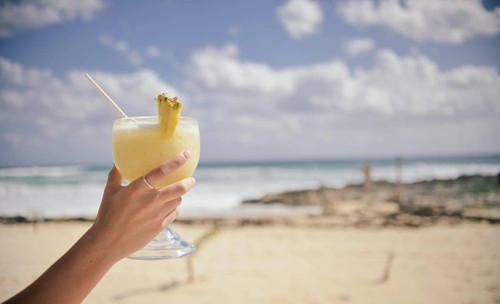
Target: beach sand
(282,264)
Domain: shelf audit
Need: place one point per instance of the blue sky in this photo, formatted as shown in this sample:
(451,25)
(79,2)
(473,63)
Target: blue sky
(287,79)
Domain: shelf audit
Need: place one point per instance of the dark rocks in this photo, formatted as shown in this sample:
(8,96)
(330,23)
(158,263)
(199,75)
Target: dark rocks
(413,205)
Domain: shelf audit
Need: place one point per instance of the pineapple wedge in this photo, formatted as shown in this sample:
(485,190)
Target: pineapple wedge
(169,112)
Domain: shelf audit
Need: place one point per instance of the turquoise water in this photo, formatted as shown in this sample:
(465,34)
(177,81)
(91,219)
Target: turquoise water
(67,191)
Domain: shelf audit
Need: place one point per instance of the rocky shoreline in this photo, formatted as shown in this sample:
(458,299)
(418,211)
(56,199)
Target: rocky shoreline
(473,198)
(467,198)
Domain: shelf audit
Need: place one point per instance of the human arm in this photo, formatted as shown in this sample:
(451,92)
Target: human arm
(128,218)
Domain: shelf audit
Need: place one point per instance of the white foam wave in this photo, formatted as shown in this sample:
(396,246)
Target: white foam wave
(38,171)
(49,201)
(218,188)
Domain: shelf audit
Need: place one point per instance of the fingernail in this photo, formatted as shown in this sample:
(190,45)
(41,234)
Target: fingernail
(187,153)
(194,180)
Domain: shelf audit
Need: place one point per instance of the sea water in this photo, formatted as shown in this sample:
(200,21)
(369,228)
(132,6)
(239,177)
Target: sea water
(75,191)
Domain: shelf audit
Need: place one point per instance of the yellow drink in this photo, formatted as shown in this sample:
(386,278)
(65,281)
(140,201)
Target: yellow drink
(138,147)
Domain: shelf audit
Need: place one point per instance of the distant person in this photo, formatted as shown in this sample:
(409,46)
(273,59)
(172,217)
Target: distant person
(128,218)
(367,177)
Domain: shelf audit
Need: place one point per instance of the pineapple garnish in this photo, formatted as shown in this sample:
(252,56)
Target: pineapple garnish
(169,112)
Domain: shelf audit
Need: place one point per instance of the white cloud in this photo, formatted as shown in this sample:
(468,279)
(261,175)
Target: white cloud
(247,107)
(219,70)
(402,104)
(414,85)
(357,46)
(133,56)
(61,117)
(153,51)
(300,17)
(438,20)
(411,85)
(31,15)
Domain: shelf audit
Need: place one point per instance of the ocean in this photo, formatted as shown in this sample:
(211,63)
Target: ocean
(75,191)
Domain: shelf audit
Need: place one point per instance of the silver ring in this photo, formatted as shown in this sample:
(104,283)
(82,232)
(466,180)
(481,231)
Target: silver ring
(147,183)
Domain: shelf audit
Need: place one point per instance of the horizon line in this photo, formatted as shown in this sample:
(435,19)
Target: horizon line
(287,160)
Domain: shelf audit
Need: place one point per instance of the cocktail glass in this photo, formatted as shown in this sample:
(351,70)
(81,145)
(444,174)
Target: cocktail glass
(138,147)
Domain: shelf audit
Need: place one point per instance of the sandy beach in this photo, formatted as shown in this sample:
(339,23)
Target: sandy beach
(282,264)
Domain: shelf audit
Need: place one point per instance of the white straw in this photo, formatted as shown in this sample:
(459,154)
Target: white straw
(111,102)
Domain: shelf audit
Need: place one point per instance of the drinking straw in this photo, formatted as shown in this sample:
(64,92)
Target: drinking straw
(111,102)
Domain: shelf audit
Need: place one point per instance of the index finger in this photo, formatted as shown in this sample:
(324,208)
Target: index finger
(159,174)
(114,180)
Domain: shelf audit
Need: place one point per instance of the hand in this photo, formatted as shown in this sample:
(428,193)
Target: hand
(131,216)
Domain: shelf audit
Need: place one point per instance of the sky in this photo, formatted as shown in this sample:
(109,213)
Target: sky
(266,79)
